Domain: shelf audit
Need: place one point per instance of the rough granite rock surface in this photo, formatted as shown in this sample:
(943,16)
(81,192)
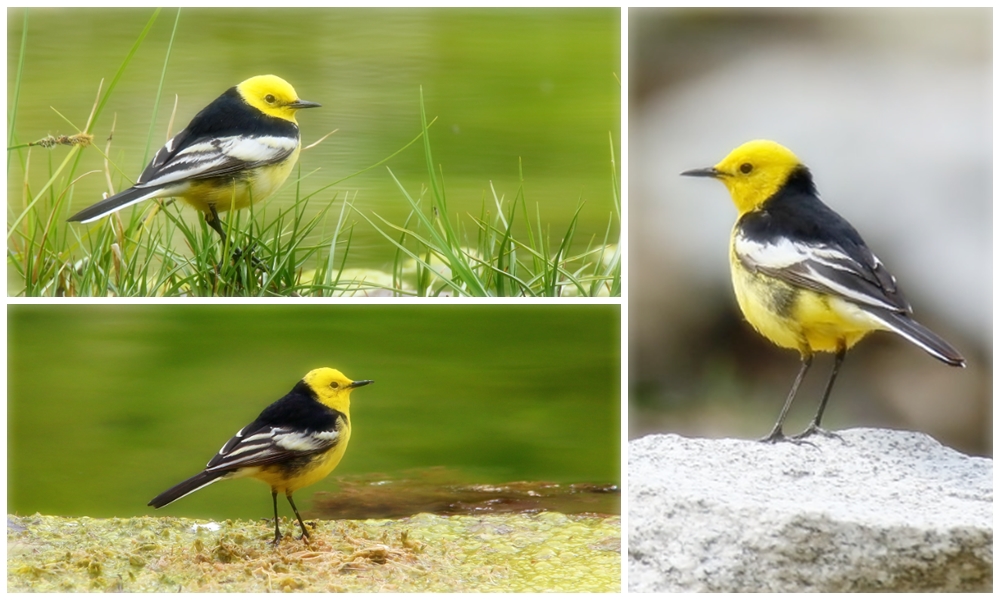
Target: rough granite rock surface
(875,510)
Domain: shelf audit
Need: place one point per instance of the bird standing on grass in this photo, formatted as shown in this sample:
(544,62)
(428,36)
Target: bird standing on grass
(294,443)
(238,150)
(803,276)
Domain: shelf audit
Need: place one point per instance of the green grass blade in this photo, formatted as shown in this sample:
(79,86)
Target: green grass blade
(11,228)
(159,89)
(121,69)
(402,248)
(17,86)
(452,253)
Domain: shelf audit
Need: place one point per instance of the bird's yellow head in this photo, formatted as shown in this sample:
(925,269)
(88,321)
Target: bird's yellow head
(752,172)
(273,96)
(333,388)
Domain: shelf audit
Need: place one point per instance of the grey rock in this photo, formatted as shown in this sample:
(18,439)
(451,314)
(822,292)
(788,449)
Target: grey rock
(875,510)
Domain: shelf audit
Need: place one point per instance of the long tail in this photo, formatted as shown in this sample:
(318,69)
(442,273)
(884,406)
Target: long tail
(186,487)
(116,202)
(931,342)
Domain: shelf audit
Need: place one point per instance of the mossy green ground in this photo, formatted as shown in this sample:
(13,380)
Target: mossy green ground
(429,553)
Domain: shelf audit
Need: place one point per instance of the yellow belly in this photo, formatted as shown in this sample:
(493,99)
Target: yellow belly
(283,480)
(228,193)
(797,318)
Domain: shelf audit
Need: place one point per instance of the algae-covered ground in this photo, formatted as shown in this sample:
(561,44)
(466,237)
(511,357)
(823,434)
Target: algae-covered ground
(506,552)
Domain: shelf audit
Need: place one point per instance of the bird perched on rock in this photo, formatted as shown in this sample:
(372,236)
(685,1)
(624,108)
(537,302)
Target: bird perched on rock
(803,276)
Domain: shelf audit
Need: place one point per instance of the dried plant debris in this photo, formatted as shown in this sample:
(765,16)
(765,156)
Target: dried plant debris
(77,139)
(430,553)
(437,491)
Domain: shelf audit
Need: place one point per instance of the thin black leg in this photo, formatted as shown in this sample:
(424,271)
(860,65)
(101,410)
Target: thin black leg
(776,434)
(215,222)
(814,426)
(305,533)
(277,532)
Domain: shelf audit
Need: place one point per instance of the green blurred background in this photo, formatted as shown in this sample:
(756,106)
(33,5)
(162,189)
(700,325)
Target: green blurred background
(538,86)
(109,405)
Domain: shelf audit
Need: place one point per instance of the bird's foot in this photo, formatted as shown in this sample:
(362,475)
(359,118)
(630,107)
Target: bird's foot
(256,262)
(238,255)
(774,437)
(815,429)
(305,533)
(777,436)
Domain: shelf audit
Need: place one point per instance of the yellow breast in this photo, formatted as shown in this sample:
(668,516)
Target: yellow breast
(287,478)
(234,194)
(793,317)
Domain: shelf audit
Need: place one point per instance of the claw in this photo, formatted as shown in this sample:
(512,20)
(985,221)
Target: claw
(256,262)
(777,436)
(815,429)
(774,437)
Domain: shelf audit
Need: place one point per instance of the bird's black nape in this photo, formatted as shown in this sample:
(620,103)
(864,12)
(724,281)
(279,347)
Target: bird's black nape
(801,180)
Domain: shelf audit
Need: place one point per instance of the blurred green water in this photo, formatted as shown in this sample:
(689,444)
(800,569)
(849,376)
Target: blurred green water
(531,85)
(110,405)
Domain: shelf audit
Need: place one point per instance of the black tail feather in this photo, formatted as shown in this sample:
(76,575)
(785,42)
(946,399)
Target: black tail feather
(931,342)
(116,202)
(186,487)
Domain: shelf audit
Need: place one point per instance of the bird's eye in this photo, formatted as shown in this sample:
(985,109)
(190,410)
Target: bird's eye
(269,99)
(745,168)
(334,385)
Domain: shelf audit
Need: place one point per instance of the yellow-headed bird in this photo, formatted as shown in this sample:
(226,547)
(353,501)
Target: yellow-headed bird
(803,276)
(295,442)
(238,150)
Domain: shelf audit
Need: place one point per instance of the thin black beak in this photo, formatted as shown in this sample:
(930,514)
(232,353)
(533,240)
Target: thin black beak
(304,104)
(360,383)
(707,172)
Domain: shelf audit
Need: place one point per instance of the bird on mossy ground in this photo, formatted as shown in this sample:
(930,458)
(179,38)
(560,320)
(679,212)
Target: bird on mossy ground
(293,443)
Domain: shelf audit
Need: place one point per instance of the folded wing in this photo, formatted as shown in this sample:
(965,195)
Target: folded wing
(183,159)
(270,445)
(857,276)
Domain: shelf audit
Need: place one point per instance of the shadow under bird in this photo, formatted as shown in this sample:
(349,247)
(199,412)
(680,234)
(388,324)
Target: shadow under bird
(238,150)
(803,276)
(295,442)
